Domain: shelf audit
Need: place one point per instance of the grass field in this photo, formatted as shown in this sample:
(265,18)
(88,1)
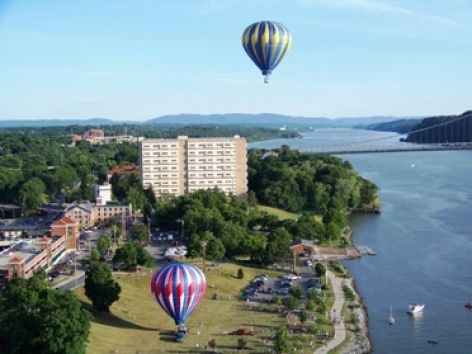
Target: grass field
(281,214)
(136,324)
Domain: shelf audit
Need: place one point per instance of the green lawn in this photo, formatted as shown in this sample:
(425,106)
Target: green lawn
(136,323)
(281,214)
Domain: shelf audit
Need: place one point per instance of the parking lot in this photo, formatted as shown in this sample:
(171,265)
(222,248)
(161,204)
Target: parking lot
(263,288)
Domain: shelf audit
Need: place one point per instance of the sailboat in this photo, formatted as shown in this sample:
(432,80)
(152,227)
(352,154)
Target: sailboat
(391,319)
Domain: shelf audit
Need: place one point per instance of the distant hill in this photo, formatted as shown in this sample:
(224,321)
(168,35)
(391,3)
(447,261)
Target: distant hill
(11,123)
(401,126)
(265,120)
(443,129)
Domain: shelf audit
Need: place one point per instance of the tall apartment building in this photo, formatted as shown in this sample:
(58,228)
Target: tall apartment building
(185,165)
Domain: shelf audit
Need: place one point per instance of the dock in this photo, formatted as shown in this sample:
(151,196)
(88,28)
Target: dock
(366,251)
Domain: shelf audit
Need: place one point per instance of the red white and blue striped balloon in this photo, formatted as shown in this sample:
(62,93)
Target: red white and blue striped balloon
(178,288)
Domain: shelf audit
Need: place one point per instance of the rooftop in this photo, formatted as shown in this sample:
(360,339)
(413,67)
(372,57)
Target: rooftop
(183,137)
(20,251)
(65,220)
(29,224)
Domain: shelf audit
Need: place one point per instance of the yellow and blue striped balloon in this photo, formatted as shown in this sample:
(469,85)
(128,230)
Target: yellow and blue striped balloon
(266,43)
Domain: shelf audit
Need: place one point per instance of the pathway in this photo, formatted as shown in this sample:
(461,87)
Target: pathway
(336,310)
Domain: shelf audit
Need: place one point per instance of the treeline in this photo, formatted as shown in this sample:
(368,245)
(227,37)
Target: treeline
(220,226)
(61,133)
(401,126)
(296,182)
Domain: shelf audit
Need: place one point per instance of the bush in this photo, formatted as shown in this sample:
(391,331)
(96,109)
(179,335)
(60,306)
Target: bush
(296,292)
(242,344)
(277,300)
(310,305)
(303,316)
(291,302)
(320,269)
(240,274)
(348,292)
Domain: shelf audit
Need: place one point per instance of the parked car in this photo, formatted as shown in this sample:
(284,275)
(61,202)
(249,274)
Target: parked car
(291,277)
(308,263)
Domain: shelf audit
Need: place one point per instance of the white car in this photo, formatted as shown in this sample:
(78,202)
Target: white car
(291,277)
(309,263)
(170,237)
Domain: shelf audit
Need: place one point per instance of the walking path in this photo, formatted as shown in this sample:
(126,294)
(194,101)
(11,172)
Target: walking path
(335,313)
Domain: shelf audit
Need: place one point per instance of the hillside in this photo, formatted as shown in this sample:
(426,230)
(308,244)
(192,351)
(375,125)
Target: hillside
(401,126)
(447,129)
(266,120)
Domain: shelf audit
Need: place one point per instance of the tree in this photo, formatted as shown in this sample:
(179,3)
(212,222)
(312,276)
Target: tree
(278,246)
(37,319)
(240,273)
(103,244)
(251,198)
(32,195)
(212,344)
(94,255)
(320,269)
(137,198)
(132,255)
(139,233)
(100,287)
(281,341)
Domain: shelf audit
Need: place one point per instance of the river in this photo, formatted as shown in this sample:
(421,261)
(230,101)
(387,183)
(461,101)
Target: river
(423,240)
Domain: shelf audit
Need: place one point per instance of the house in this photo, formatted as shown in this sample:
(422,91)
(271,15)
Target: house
(303,247)
(69,228)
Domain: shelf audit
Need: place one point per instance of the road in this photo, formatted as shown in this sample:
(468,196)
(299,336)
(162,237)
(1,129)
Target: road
(73,282)
(336,311)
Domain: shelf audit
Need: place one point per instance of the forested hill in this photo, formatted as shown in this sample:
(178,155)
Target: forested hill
(458,130)
(401,126)
(296,182)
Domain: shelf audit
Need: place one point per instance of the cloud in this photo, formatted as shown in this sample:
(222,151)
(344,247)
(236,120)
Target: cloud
(376,6)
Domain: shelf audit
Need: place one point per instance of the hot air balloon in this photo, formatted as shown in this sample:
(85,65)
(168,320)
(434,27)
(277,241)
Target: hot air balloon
(178,288)
(266,43)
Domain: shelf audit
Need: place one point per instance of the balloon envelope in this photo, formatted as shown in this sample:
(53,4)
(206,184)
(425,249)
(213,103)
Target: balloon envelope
(266,43)
(178,288)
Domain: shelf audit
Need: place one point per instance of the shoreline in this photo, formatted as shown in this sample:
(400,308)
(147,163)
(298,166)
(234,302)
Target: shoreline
(364,344)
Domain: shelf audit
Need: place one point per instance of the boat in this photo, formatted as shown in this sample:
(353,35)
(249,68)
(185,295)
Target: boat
(431,341)
(391,319)
(468,305)
(415,308)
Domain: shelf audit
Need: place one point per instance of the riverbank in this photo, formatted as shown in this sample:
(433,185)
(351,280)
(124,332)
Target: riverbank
(350,316)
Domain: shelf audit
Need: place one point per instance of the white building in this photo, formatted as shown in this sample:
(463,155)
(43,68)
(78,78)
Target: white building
(103,193)
(185,165)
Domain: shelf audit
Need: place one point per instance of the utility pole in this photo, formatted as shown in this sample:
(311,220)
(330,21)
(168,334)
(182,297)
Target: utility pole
(204,245)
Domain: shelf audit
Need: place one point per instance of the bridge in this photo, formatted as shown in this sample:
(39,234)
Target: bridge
(455,134)
(373,150)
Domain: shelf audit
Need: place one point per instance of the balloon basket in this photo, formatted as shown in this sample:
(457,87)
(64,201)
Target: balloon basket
(182,332)
(266,79)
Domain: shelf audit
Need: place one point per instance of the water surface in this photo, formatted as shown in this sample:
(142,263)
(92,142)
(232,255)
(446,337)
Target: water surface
(423,241)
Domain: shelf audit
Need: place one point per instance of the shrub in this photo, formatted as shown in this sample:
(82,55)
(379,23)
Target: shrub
(240,273)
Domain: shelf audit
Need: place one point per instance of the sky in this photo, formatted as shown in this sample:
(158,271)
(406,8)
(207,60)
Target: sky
(139,59)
